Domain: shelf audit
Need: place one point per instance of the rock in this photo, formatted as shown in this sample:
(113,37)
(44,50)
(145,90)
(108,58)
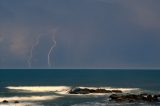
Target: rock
(114,96)
(156,97)
(79,91)
(134,98)
(102,91)
(87,91)
(4,101)
(16,101)
(116,91)
(149,98)
(131,101)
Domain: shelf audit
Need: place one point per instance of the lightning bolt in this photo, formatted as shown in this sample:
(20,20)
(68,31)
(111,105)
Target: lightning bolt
(52,48)
(31,51)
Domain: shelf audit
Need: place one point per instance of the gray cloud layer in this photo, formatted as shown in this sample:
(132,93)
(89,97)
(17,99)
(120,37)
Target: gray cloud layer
(91,33)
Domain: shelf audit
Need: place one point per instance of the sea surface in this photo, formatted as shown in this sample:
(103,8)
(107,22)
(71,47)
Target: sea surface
(49,87)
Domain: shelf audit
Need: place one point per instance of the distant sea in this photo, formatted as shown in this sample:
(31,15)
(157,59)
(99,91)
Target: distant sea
(48,87)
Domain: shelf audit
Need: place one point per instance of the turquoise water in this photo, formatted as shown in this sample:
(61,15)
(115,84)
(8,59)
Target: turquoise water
(146,80)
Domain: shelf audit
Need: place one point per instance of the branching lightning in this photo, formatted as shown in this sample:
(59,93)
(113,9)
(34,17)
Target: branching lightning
(52,48)
(31,51)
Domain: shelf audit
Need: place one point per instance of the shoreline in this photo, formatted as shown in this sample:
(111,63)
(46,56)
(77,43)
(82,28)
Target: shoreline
(52,93)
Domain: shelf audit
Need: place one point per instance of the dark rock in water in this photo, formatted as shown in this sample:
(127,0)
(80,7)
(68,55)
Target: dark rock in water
(114,96)
(116,91)
(78,91)
(101,91)
(16,101)
(4,101)
(150,98)
(134,98)
(87,91)
(157,97)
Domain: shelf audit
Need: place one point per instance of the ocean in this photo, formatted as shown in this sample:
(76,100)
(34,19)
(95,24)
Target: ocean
(49,87)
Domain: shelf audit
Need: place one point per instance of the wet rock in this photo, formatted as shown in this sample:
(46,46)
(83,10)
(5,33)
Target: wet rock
(4,101)
(114,96)
(156,97)
(87,91)
(102,91)
(79,91)
(134,98)
(116,91)
(16,101)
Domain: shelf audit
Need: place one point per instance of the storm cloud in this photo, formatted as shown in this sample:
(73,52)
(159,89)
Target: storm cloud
(90,33)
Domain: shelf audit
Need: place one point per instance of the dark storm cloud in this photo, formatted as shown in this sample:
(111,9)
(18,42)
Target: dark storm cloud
(91,33)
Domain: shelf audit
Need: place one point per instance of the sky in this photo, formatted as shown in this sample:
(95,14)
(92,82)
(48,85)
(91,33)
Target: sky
(79,34)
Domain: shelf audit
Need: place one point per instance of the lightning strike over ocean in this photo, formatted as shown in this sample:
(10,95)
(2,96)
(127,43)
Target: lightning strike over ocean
(31,51)
(52,48)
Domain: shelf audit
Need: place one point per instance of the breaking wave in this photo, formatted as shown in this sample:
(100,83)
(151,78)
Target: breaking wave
(21,104)
(29,98)
(65,89)
(62,91)
(41,89)
(26,100)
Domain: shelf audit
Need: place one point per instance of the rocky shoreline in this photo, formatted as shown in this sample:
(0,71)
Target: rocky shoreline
(118,95)
(89,91)
(135,98)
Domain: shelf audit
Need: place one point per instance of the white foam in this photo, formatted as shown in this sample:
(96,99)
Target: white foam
(57,89)
(65,89)
(21,104)
(29,98)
